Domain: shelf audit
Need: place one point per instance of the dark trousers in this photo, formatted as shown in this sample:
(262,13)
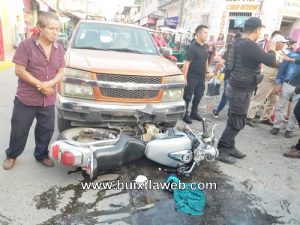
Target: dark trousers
(21,122)
(195,87)
(297,115)
(238,107)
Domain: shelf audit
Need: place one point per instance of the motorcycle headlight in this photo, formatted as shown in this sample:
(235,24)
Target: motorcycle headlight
(173,94)
(75,90)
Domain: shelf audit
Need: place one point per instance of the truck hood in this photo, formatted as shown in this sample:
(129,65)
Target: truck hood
(120,63)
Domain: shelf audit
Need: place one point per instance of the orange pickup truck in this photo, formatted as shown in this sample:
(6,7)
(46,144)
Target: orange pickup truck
(116,75)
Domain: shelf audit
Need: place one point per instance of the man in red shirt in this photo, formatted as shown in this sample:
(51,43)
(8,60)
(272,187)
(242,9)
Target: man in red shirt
(39,65)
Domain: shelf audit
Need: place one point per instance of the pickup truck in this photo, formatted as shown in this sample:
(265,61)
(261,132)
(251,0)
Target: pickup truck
(116,75)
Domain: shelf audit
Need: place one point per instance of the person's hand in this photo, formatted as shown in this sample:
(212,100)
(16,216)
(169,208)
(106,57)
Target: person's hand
(47,91)
(185,82)
(278,89)
(44,85)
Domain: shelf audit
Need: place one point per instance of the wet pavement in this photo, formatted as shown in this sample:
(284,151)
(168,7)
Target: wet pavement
(262,189)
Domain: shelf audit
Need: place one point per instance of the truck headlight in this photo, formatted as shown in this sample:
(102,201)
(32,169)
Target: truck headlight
(69,72)
(173,94)
(75,90)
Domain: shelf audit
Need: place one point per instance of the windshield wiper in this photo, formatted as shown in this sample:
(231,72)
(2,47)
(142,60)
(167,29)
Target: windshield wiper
(125,50)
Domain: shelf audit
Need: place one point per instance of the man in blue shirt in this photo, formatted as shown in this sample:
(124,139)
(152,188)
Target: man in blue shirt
(287,80)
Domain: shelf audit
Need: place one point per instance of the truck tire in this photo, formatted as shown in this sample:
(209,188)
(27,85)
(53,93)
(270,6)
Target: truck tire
(63,124)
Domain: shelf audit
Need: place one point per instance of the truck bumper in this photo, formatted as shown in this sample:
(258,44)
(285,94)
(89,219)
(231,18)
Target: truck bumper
(88,112)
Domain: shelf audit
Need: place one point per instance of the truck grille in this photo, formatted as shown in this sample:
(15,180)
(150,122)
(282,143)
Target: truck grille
(129,94)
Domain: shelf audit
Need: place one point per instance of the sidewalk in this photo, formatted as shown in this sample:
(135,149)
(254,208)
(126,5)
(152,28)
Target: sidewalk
(7,63)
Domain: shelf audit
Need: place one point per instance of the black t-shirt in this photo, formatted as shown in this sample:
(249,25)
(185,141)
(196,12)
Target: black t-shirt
(197,54)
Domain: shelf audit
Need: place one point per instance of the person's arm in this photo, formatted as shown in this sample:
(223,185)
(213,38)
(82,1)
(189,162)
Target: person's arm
(281,72)
(280,77)
(25,76)
(219,66)
(253,51)
(185,70)
(189,58)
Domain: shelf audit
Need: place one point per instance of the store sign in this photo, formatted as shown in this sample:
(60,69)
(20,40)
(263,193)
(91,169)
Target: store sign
(171,21)
(151,20)
(243,7)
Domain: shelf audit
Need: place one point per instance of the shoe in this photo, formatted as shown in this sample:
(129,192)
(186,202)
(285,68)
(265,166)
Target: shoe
(215,114)
(9,163)
(236,153)
(47,162)
(226,158)
(292,153)
(187,119)
(275,130)
(194,115)
(288,134)
(267,122)
(250,122)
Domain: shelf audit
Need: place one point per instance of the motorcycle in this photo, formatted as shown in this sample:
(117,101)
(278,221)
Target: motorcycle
(99,149)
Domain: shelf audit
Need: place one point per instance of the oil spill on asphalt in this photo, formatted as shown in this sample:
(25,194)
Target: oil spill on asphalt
(223,206)
(4,220)
(76,211)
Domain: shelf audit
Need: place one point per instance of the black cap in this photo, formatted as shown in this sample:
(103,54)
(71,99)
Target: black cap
(252,23)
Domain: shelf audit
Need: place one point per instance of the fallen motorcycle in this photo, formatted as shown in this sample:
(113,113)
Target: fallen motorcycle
(100,149)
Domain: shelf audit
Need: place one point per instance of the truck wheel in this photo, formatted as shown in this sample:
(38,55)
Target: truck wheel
(63,124)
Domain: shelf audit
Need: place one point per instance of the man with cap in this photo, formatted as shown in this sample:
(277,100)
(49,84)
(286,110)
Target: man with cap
(266,89)
(244,61)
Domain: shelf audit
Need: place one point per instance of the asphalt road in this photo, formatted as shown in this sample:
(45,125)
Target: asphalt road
(262,189)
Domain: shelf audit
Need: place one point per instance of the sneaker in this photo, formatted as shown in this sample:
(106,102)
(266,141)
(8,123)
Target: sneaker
(236,153)
(275,130)
(292,153)
(288,134)
(215,114)
(250,122)
(195,115)
(187,119)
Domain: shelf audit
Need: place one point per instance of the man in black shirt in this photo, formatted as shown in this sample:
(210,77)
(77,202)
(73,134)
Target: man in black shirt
(194,71)
(243,63)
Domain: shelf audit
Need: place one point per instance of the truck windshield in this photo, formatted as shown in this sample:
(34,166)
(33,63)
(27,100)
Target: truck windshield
(111,37)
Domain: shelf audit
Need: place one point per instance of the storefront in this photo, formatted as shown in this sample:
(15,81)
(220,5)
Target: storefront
(149,22)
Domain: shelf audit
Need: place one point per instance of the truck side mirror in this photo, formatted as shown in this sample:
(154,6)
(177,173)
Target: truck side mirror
(165,51)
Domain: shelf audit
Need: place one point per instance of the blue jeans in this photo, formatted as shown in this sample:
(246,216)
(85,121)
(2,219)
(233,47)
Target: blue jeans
(223,101)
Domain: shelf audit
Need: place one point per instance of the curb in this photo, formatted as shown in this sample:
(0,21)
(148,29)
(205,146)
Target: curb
(5,65)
